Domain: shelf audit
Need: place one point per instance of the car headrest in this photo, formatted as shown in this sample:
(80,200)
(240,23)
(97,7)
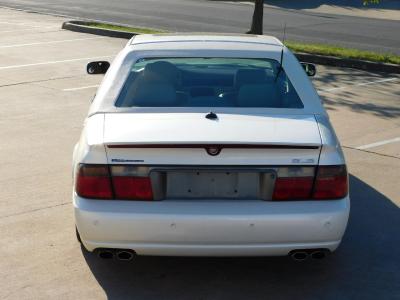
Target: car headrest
(161,71)
(154,94)
(258,95)
(249,76)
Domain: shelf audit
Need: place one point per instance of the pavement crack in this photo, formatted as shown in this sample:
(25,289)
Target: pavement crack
(371,152)
(34,210)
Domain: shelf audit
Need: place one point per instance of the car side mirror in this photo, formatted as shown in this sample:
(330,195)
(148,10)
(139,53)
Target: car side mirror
(310,69)
(97,67)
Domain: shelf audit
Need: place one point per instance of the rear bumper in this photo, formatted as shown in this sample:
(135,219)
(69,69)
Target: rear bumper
(211,228)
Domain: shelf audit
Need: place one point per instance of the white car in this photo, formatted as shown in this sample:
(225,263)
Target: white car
(208,145)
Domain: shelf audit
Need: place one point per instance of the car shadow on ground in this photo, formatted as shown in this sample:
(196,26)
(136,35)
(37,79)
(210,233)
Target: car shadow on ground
(345,95)
(366,266)
(377,109)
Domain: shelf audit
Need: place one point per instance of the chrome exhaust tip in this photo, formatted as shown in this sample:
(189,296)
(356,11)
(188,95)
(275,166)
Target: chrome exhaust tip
(125,255)
(299,255)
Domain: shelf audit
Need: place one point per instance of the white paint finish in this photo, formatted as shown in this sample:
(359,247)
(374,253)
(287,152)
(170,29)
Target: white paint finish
(80,88)
(95,128)
(49,42)
(157,41)
(217,225)
(195,128)
(54,62)
(331,152)
(359,84)
(90,147)
(380,143)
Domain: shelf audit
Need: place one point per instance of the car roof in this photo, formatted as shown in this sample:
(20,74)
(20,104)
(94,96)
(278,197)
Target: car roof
(195,40)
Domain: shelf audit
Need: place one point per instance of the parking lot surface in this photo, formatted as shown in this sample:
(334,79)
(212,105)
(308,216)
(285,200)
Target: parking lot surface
(45,95)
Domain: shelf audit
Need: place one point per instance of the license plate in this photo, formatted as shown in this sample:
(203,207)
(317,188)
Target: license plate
(212,185)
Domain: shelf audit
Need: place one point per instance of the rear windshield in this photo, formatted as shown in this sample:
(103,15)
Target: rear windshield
(208,82)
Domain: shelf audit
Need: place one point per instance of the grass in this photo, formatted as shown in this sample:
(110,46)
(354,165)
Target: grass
(322,49)
(343,52)
(124,28)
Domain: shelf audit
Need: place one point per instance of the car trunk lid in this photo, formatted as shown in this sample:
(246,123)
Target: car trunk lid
(192,139)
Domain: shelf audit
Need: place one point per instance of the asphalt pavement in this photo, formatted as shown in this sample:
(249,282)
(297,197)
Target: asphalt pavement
(45,94)
(215,16)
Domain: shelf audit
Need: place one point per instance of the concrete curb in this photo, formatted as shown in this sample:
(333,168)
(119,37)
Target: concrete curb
(82,26)
(348,63)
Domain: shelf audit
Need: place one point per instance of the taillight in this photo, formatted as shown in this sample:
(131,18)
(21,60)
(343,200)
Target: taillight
(301,183)
(131,183)
(93,181)
(331,182)
(135,188)
(293,183)
(114,182)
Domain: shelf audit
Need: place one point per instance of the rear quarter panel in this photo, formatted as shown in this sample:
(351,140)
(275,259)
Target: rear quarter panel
(331,152)
(90,148)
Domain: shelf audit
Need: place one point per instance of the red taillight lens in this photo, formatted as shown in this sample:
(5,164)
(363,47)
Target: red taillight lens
(298,183)
(293,183)
(93,181)
(113,182)
(130,187)
(292,188)
(331,182)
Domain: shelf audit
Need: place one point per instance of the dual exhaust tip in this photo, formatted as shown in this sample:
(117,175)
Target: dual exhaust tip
(120,254)
(302,255)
